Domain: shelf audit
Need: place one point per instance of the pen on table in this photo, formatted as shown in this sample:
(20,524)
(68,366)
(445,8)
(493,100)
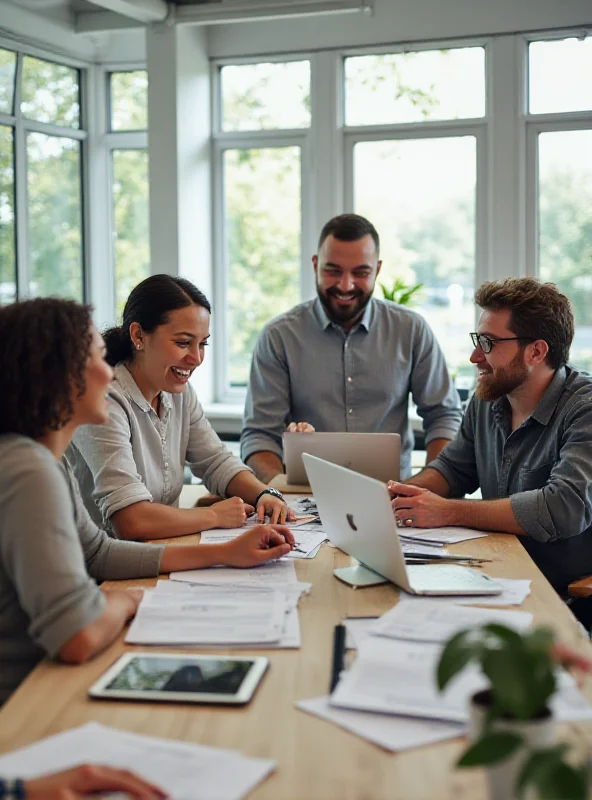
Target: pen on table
(442,557)
(338,653)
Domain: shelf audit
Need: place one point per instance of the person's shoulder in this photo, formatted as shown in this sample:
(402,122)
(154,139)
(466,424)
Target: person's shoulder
(26,462)
(403,318)
(578,388)
(294,317)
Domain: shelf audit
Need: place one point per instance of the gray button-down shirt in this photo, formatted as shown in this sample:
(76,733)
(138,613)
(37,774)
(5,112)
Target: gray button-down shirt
(138,455)
(544,467)
(306,368)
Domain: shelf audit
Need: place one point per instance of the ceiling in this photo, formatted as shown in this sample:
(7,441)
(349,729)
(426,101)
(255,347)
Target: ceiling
(92,16)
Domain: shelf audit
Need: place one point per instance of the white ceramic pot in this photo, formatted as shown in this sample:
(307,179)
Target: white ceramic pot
(501,777)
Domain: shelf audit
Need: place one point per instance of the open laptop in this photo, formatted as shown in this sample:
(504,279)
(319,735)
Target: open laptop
(377,455)
(357,517)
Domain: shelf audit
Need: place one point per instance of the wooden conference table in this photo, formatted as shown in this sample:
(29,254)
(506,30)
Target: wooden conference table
(315,759)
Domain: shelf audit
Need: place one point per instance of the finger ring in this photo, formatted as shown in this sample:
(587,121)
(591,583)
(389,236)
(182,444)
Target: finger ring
(408,522)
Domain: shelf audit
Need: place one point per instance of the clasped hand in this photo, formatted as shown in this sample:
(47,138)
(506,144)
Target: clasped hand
(415,507)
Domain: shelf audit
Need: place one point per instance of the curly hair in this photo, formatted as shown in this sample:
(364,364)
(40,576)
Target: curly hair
(150,304)
(538,311)
(45,346)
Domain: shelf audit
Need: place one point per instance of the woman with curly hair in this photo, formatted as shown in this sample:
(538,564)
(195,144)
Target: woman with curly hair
(130,471)
(51,553)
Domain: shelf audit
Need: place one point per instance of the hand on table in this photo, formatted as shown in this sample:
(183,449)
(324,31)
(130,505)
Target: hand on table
(415,507)
(87,779)
(231,513)
(274,508)
(300,427)
(259,544)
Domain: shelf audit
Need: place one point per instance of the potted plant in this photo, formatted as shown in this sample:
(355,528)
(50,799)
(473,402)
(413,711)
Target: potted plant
(400,292)
(511,727)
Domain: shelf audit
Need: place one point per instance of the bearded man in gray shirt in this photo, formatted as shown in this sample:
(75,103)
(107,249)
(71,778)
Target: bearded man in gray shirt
(346,361)
(525,440)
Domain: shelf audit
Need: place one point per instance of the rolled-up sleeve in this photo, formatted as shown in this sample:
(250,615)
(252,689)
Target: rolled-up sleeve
(562,506)
(457,462)
(267,406)
(107,451)
(109,559)
(43,556)
(207,456)
(433,392)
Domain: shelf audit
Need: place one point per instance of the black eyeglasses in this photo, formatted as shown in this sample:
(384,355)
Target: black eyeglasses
(486,343)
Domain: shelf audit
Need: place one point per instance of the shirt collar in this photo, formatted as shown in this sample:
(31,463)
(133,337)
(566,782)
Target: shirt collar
(546,405)
(548,402)
(128,384)
(324,321)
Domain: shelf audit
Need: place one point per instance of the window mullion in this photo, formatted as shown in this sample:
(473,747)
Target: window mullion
(20,191)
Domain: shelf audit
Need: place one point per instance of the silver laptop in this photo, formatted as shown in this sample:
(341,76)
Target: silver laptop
(357,517)
(377,455)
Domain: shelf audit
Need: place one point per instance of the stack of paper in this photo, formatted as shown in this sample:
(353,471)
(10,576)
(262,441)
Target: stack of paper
(208,617)
(439,536)
(184,771)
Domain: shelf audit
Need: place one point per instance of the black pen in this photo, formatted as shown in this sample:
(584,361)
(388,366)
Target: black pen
(338,654)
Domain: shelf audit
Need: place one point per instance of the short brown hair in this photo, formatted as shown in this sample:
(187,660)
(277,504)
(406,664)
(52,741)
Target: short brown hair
(538,311)
(45,346)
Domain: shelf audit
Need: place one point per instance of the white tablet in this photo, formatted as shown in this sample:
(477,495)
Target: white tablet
(181,678)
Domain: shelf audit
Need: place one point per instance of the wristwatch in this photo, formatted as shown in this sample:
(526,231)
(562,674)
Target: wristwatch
(273,492)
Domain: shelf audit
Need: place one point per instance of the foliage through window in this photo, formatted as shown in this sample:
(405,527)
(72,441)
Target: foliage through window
(7,254)
(129,100)
(415,86)
(7,76)
(50,93)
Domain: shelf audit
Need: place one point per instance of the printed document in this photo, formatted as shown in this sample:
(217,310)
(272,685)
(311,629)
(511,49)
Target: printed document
(276,574)
(184,771)
(386,730)
(440,535)
(432,621)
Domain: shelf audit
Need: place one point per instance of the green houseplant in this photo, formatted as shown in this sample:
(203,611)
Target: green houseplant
(400,292)
(511,720)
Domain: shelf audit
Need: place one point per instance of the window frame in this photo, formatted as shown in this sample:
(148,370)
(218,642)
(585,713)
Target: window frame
(223,141)
(21,127)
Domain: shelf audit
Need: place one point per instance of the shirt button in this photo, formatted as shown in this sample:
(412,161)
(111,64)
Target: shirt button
(350,411)
(349,379)
(166,464)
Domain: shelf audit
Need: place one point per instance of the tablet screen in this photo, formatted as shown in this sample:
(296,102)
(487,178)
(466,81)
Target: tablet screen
(195,675)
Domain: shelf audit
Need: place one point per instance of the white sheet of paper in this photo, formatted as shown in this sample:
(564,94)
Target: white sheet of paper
(388,731)
(186,619)
(514,594)
(276,573)
(185,771)
(424,549)
(433,621)
(398,677)
(442,535)
(309,541)
(356,629)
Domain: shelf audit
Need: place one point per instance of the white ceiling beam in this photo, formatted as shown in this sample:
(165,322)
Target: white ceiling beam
(144,11)
(229,11)
(218,13)
(103,22)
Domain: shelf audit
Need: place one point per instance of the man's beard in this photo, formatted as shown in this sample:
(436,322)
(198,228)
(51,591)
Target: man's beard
(343,315)
(502,380)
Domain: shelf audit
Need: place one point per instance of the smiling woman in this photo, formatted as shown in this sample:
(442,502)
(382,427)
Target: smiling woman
(130,470)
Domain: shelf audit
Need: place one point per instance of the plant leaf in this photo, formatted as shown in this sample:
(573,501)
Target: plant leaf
(563,782)
(458,652)
(490,749)
(536,766)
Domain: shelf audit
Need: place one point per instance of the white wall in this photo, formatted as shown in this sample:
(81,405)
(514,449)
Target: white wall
(397,21)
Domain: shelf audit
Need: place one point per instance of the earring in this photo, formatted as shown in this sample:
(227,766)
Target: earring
(138,347)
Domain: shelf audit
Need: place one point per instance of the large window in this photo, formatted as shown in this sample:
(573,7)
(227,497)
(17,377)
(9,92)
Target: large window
(413,170)
(40,131)
(259,140)
(127,138)
(560,122)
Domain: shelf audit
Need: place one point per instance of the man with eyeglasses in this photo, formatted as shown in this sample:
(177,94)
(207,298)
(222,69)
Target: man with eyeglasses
(526,438)
(346,361)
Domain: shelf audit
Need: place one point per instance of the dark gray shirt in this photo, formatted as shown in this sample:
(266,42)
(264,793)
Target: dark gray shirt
(50,554)
(544,467)
(140,455)
(307,369)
